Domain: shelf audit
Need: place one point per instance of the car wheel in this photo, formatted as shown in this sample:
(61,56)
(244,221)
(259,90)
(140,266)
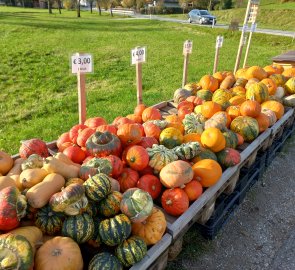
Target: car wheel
(189,20)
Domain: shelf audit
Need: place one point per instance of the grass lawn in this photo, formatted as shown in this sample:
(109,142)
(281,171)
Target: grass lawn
(38,95)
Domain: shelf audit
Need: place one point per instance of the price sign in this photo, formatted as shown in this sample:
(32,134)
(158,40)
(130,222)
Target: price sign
(81,63)
(219,41)
(253,27)
(187,47)
(245,28)
(252,13)
(138,55)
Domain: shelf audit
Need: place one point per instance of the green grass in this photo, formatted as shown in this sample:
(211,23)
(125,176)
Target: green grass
(38,95)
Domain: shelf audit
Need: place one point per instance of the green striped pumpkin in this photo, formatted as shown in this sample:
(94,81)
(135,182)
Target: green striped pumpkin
(187,150)
(231,139)
(205,154)
(171,137)
(80,228)
(205,94)
(110,206)
(131,251)
(228,157)
(78,207)
(246,126)
(95,240)
(192,123)
(258,92)
(97,187)
(92,208)
(105,261)
(48,221)
(279,79)
(115,230)
(222,97)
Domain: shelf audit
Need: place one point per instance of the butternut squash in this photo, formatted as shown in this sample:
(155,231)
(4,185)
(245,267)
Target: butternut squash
(17,167)
(32,233)
(31,177)
(228,82)
(6,181)
(39,195)
(6,162)
(64,158)
(53,165)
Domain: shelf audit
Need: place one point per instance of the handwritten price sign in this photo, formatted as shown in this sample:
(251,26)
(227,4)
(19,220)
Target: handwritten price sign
(219,41)
(187,47)
(138,55)
(81,63)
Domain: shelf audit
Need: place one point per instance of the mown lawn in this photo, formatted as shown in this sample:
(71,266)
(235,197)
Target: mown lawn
(38,95)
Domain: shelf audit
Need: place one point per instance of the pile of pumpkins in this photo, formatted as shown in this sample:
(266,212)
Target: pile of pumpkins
(100,185)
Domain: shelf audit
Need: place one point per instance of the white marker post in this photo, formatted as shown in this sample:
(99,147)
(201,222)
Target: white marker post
(245,25)
(81,63)
(187,50)
(138,56)
(219,43)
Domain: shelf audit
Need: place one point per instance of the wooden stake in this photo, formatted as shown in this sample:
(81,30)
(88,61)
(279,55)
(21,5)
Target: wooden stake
(247,49)
(239,54)
(139,83)
(185,67)
(81,97)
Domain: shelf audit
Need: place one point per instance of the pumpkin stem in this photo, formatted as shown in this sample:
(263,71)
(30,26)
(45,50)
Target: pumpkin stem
(169,202)
(56,252)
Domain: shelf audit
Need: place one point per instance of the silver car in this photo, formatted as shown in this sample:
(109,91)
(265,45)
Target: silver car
(201,16)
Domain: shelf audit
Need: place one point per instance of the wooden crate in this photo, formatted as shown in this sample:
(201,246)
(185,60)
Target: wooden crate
(287,59)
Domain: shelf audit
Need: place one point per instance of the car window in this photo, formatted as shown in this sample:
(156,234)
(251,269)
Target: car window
(204,12)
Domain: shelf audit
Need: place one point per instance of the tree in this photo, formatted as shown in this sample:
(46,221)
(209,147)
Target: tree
(91,4)
(227,4)
(78,8)
(183,4)
(49,6)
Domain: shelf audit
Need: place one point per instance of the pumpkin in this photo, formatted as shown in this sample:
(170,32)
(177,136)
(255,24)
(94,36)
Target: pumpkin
(280,92)
(6,162)
(137,157)
(117,165)
(147,170)
(110,206)
(263,122)
(176,174)
(241,82)
(147,142)
(80,227)
(221,94)
(240,138)
(192,137)
(238,90)
(75,153)
(289,101)
(193,190)
(103,144)
(138,110)
(48,221)
(136,204)
(110,128)
(33,146)
(105,260)
(151,130)
(228,157)
(151,113)
(151,184)
(74,132)
(159,123)
(271,69)
(208,82)
(174,201)
(120,120)
(271,116)
(228,82)
(250,108)
(128,179)
(236,100)
(205,95)
(258,92)
(231,139)
(207,172)
(33,161)
(220,76)
(134,118)
(131,251)
(195,100)
(94,122)
(241,73)
(95,166)
(256,72)
(193,123)
(160,156)
(290,86)
(288,73)
(97,187)
(245,126)
(78,207)
(233,111)
(187,150)
(16,252)
(205,154)
(209,108)
(12,208)
(95,240)
(129,134)
(218,121)
(170,137)
(68,195)
(213,139)
(279,79)
(251,82)
(113,231)
(271,86)
(275,106)
(181,94)
(63,138)
(183,111)
(59,253)
(84,135)
(185,103)
(152,229)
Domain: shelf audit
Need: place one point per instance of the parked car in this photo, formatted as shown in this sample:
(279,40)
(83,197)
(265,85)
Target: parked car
(201,16)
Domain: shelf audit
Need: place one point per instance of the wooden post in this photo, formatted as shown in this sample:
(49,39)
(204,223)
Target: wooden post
(139,83)
(216,60)
(247,49)
(81,97)
(185,66)
(239,54)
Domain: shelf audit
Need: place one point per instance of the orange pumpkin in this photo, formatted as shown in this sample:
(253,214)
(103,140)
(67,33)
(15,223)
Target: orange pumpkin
(172,118)
(208,82)
(237,100)
(151,113)
(135,118)
(238,90)
(288,73)
(256,72)
(128,179)
(240,138)
(63,138)
(209,108)
(177,125)
(275,106)
(193,190)
(138,110)
(183,111)
(151,130)
(186,103)
(263,122)
(207,172)
(120,120)
(110,128)
(195,100)
(213,139)
(224,116)
(94,122)
(272,69)
(129,134)
(271,86)
(279,67)
(233,111)
(192,137)
(175,201)
(250,108)
(220,76)
(241,73)
(137,157)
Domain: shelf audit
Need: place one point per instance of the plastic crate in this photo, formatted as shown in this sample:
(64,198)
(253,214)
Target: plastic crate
(222,213)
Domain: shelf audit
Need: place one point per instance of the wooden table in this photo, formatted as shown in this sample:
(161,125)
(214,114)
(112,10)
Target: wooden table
(287,59)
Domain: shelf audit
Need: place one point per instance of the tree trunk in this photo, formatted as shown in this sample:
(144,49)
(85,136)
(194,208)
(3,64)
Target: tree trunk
(49,6)
(210,5)
(91,3)
(59,6)
(111,7)
(78,9)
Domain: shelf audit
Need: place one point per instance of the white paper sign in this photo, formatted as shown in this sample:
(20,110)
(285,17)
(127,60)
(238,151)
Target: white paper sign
(187,47)
(245,28)
(253,27)
(82,63)
(138,55)
(219,41)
